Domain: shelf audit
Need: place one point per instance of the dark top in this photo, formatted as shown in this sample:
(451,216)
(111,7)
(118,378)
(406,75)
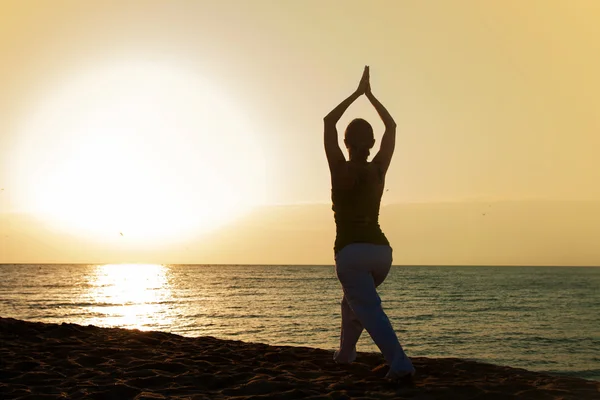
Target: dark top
(356,195)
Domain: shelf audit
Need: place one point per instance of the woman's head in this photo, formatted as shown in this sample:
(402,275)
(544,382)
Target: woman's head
(359,139)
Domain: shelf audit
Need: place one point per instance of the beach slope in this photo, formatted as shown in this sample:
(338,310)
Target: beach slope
(45,361)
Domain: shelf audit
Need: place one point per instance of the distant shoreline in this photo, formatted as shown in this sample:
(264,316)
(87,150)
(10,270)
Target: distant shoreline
(310,265)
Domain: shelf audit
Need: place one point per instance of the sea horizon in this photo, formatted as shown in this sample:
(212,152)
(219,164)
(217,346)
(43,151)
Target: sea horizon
(300,265)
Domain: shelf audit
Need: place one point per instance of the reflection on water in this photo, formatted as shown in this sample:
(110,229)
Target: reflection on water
(130,296)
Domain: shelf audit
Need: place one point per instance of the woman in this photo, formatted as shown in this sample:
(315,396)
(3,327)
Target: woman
(363,255)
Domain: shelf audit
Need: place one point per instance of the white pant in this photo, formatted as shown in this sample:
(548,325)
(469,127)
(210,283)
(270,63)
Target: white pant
(361,267)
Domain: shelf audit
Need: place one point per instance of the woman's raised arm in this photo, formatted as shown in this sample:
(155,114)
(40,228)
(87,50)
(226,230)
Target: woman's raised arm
(332,147)
(388,141)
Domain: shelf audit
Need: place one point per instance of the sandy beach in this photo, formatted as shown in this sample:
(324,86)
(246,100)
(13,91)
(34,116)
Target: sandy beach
(43,361)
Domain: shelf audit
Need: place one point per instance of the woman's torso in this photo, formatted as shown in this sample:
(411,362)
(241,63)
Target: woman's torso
(356,190)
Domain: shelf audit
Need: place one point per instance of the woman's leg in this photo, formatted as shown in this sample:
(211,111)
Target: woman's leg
(351,330)
(380,269)
(356,266)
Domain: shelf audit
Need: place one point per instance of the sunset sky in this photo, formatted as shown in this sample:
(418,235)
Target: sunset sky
(148,130)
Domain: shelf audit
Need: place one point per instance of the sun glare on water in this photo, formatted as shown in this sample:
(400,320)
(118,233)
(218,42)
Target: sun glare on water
(134,296)
(141,151)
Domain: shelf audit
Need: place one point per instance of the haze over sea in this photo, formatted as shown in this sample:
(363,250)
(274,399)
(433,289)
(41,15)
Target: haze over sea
(539,318)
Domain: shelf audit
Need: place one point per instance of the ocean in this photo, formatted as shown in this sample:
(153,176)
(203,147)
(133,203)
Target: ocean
(543,319)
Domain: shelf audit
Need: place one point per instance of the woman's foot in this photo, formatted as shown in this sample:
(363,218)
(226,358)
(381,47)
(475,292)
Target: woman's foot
(340,358)
(400,376)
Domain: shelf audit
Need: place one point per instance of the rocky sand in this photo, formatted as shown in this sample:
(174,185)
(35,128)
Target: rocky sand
(68,361)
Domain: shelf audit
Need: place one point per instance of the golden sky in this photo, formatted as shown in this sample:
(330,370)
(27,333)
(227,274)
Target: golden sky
(155,120)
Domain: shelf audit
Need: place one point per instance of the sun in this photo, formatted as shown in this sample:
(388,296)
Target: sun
(140,150)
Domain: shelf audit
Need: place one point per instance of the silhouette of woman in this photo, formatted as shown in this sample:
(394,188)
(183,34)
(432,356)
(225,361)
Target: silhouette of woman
(363,255)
